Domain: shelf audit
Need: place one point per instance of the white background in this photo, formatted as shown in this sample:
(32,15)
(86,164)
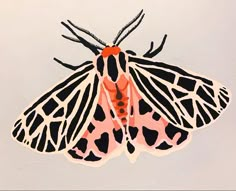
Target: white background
(201,37)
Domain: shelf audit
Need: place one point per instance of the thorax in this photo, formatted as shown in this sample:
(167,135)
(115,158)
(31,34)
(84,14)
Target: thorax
(113,71)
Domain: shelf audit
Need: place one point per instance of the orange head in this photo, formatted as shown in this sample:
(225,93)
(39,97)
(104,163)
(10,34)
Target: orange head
(110,50)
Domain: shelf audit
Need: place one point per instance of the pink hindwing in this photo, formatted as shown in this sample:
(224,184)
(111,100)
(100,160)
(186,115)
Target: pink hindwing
(120,102)
(103,138)
(149,131)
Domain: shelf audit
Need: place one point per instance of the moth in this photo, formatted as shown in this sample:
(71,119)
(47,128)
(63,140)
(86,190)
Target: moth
(119,102)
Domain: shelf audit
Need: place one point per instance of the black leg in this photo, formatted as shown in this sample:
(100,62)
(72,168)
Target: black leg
(151,53)
(71,66)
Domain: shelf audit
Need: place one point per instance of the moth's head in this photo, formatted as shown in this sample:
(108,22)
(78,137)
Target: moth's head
(110,49)
(106,49)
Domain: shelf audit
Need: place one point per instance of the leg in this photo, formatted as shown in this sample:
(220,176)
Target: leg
(70,66)
(151,53)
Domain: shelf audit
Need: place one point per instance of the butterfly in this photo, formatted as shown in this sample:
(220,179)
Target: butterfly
(120,102)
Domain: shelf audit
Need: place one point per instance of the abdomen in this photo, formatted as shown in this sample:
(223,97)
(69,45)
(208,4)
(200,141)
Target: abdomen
(118,94)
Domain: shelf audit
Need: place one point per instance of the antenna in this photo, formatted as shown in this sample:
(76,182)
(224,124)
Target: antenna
(126,26)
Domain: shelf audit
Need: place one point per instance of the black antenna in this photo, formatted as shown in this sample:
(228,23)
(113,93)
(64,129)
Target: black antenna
(131,30)
(126,26)
(92,47)
(88,33)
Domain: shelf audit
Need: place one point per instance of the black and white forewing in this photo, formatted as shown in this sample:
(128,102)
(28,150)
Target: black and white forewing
(184,98)
(56,120)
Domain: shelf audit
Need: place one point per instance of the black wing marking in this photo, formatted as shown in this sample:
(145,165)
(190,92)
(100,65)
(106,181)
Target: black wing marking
(57,119)
(185,99)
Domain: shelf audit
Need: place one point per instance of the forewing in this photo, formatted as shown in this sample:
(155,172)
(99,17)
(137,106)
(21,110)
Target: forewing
(56,120)
(183,98)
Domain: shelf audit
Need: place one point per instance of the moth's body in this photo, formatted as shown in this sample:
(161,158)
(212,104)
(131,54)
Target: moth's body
(113,71)
(120,102)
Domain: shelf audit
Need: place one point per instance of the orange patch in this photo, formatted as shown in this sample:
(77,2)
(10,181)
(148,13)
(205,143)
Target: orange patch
(110,51)
(85,134)
(122,82)
(110,86)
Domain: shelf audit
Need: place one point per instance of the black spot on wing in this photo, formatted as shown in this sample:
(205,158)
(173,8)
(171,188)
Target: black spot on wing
(223,90)
(203,113)
(132,110)
(202,94)
(167,66)
(112,114)
(222,103)
(147,94)
(72,103)
(112,68)
(17,122)
(74,121)
(224,96)
(163,88)
(49,106)
(100,65)
(133,132)
(210,90)
(37,121)
(42,140)
(64,93)
(21,136)
(214,114)
(62,144)
(103,143)
(187,83)
(144,107)
(94,93)
(167,76)
(179,108)
(50,147)
(59,86)
(188,105)
(122,61)
(74,155)
(30,118)
(172,130)
(82,144)
(156,116)
(59,113)
(34,141)
(186,123)
(54,128)
(199,121)
(15,131)
(130,147)
(178,94)
(92,157)
(164,146)
(159,98)
(150,136)
(118,134)
(91,127)
(64,126)
(99,114)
